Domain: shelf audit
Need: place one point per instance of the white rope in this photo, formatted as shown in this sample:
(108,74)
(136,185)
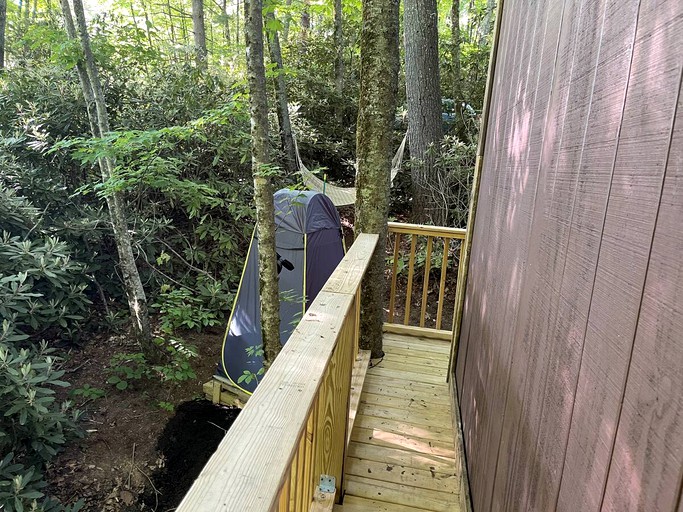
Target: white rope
(341,196)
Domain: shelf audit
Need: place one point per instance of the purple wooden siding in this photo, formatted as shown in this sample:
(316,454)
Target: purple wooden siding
(570,363)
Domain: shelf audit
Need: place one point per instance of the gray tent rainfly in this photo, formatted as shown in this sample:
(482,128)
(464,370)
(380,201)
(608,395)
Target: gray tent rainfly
(309,245)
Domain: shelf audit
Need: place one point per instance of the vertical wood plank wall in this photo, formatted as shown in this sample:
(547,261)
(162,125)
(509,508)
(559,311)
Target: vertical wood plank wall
(570,361)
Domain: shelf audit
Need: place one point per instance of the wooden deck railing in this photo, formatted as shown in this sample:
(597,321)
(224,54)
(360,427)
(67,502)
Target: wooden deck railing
(443,237)
(294,427)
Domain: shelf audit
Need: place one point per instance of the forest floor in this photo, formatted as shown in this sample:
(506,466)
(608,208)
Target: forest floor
(136,455)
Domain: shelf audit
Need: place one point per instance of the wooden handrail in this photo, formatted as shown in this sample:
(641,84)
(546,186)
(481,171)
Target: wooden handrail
(293,429)
(421,229)
(443,237)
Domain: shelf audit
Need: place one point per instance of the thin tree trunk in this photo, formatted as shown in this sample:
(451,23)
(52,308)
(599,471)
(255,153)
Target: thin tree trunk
(286,138)
(339,57)
(170,23)
(287,21)
(199,32)
(339,44)
(305,21)
(487,23)
(99,125)
(377,104)
(183,27)
(224,10)
(237,23)
(3,25)
(455,53)
(423,94)
(263,189)
(147,25)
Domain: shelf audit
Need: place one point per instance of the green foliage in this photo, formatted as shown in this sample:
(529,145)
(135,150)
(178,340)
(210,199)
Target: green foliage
(126,370)
(166,406)
(89,392)
(34,424)
(40,286)
(181,309)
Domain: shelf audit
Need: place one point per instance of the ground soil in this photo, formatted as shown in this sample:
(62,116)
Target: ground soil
(133,448)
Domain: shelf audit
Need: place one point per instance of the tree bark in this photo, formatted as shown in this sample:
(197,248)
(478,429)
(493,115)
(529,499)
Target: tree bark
(377,104)
(3,25)
(99,125)
(199,32)
(224,11)
(285,123)
(487,23)
(263,189)
(455,54)
(237,23)
(423,94)
(305,21)
(339,45)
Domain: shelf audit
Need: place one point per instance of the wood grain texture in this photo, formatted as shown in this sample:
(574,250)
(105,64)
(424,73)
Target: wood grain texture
(565,354)
(420,229)
(254,461)
(623,258)
(402,450)
(646,469)
(360,368)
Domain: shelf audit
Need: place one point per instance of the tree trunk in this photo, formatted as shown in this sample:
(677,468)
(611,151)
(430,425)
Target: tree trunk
(147,25)
(287,21)
(263,189)
(455,54)
(377,104)
(339,45)
(487,23)
(99,125)
(423,94)
(3,24)
(170,23)
(237,23)
(224,10)
(199,32)
(305,21)
(286,138)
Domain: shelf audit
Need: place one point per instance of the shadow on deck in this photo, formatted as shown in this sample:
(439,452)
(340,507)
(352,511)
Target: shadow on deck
(404,453)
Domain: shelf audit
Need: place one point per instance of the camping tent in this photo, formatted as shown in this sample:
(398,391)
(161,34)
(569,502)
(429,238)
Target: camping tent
(309,244)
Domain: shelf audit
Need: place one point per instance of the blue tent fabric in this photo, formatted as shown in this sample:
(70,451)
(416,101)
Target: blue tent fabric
(308,235)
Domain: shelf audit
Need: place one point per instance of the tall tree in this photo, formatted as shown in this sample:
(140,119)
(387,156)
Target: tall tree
(263,188)
(423,94)
(199,32)
(226,20)
(339,46)
(3,24)
(286,138)
(99,126)
(379,65)
(455,53)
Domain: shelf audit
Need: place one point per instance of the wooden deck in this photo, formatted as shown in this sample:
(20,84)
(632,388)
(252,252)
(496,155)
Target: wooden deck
(404,454)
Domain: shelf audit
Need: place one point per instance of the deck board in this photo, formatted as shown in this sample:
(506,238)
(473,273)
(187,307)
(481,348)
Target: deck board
(402,452)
